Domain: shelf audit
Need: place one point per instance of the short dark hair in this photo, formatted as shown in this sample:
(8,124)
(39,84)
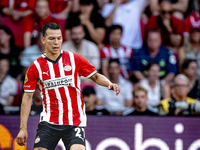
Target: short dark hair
(86,2)
(160,1)
(113,60)
(52,26)
(9,32)
(148,67)
(186,63)
(88,90)
(114,27)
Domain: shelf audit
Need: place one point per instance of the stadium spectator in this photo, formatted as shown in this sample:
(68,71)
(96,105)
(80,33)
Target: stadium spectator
(60,8)
(101,3)
(155,89)
(154,52)
(140,104)
(115,104)
(36,107)
(78,44)
(9,50)
(192,48)
(179,103)
(191,21)
(189,69)
(171,28)
(127,14)
(34,22)
(92,21)
(90,99)
(116,50)
(17,9)
(30,54)
(8,85)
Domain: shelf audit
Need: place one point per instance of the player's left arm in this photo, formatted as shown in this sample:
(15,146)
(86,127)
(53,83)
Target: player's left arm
(103,81)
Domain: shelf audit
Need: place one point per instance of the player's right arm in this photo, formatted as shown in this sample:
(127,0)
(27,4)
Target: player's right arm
(30,82)
(25,111)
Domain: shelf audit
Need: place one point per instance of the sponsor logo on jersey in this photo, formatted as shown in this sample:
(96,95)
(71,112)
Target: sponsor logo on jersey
(46,73)
(67,81)
(67,68)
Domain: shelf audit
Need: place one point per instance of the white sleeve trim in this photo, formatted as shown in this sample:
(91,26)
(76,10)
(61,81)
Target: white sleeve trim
(91,74)
(29,91)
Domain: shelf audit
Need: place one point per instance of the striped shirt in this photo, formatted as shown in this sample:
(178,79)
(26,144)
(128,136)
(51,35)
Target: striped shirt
(59,83)
(123,53)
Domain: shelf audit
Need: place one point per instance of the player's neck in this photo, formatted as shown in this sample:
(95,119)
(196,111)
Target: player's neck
(52,56)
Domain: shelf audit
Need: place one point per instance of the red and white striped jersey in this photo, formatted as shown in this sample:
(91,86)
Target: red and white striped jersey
(192,21)
(59,83)
(123,53)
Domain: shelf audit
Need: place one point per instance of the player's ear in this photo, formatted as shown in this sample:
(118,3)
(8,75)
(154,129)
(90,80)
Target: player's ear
(43,40)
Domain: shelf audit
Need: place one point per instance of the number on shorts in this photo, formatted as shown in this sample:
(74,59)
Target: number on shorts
(78,132)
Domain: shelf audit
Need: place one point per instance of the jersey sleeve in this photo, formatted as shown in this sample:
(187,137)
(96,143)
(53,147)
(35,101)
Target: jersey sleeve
(31,79)
(85,68)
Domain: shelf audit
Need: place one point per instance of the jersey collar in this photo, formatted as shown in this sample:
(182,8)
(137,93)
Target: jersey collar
(53,61)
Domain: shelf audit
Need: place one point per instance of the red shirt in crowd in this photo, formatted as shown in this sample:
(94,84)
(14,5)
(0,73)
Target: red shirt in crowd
(33,24)
(59,83)
(177,25)
(57,6)
(123,53)
(192,21)
(21,5)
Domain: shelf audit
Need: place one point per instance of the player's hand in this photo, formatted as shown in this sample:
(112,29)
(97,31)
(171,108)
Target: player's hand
(22,137)
(114,87)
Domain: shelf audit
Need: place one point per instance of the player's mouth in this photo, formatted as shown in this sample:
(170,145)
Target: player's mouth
(56,48)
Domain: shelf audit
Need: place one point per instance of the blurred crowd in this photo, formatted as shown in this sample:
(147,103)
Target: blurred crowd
(150,48)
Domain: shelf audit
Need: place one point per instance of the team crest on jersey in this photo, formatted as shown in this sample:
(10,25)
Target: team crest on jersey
(26,79)
(37,140)
(67,68)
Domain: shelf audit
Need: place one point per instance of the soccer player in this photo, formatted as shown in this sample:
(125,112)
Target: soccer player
(57,73)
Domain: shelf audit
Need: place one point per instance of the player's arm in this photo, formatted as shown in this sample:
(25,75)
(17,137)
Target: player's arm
(25,111)
(103,81)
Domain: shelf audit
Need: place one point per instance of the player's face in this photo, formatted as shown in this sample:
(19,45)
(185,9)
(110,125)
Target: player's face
(154,40)
(140,99)
(181,87)
(42,8)
(52,41)
(4,66)
(115,36)
(77,34)
(4,37)
(154,73)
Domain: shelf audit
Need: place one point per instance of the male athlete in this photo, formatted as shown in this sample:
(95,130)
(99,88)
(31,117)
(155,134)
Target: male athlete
(57,74)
